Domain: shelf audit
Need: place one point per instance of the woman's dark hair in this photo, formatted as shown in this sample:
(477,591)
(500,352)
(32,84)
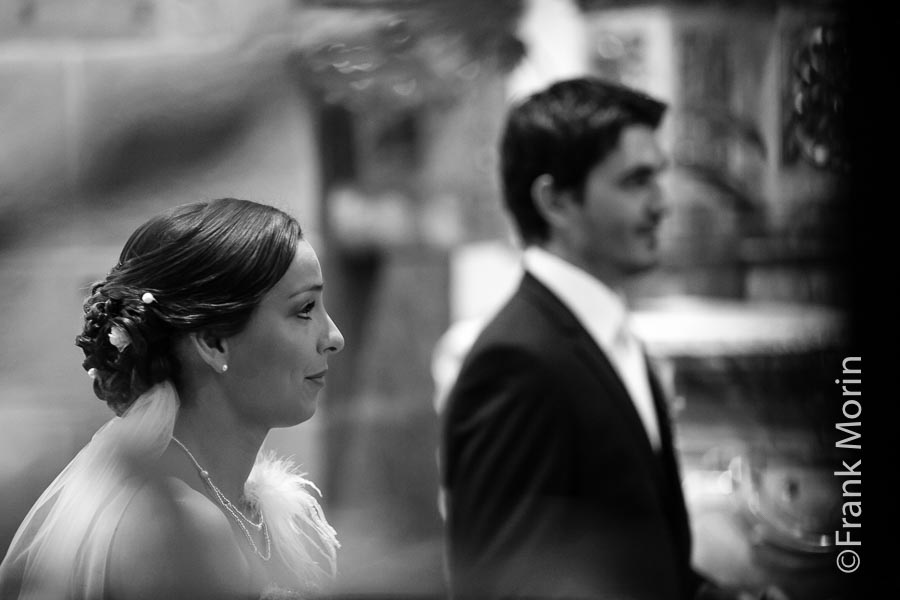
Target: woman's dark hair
(564,131)
(207,266)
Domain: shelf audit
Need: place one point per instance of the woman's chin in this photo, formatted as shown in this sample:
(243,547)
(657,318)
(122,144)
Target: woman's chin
(306,410)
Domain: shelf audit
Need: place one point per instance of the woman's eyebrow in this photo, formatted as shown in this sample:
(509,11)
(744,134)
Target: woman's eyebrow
(316,287)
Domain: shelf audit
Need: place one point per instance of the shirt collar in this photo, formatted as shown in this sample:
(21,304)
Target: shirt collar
(600,310)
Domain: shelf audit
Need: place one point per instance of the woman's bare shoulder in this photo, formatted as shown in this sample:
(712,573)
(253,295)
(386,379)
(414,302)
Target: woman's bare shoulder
(173,542)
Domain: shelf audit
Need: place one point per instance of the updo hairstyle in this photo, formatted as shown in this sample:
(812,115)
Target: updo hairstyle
(201,266)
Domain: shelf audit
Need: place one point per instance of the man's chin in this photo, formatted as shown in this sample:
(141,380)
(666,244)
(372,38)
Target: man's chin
(645,266)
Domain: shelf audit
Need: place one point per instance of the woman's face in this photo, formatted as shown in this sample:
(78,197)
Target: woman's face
(277,364)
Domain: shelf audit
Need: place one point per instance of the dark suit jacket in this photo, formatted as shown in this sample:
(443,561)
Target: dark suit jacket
(553,488)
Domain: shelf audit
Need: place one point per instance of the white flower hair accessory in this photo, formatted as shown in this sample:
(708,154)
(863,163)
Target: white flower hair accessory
(119,338)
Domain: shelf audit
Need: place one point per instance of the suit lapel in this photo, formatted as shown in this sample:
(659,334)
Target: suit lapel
(670,474)
(663,467)
(594,358)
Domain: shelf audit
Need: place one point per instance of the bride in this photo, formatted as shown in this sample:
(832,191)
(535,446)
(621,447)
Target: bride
(210,331)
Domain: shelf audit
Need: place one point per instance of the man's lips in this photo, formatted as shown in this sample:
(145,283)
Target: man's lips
(650,227)
(318,376)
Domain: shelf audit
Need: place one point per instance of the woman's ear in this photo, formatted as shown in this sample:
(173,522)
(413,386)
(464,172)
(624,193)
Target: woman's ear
(211,348)
(551,203)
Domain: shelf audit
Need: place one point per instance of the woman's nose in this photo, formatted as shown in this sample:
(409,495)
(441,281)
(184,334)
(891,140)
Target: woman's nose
(333,340)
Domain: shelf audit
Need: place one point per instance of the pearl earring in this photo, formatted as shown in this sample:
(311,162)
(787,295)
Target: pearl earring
(224,368)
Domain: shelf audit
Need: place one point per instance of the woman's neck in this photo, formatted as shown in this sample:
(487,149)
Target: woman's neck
(220,443)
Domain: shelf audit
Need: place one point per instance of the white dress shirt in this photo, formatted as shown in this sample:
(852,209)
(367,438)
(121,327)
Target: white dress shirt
(604,315)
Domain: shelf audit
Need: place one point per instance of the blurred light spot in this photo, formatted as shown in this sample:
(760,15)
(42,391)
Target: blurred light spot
(405,88)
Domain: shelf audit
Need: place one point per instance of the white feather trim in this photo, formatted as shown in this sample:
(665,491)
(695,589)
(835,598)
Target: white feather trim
(301,536)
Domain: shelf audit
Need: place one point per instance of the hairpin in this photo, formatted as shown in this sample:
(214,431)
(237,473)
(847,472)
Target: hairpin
(148,298)
(119,338)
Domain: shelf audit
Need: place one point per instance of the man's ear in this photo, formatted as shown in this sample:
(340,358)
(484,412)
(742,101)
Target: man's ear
(553,204)
(211,348)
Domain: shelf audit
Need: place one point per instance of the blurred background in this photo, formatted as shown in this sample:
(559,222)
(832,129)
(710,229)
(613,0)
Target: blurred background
(375,122)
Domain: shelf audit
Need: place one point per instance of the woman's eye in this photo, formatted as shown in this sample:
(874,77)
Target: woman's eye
(306,311)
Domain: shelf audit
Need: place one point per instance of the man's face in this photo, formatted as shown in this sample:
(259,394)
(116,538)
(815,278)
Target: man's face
(612,232)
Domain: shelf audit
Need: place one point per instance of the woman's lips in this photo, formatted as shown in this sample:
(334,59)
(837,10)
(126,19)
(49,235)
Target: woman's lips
(318,377)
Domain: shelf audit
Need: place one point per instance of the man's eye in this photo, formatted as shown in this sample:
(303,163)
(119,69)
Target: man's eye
(639,180)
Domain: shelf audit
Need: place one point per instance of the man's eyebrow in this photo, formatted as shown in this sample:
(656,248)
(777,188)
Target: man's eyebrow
(643,170)
(639,171)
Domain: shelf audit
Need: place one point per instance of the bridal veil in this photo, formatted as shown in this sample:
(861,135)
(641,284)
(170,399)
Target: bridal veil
(61,549)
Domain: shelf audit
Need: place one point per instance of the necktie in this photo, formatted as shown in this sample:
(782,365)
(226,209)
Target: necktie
(629,356)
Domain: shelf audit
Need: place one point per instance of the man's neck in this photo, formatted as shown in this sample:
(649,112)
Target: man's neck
(610,277)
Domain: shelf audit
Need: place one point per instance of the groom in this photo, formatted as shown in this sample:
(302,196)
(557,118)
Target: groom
(557,455)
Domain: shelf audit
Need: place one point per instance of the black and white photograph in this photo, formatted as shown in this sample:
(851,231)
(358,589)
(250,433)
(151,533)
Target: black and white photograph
(447,300)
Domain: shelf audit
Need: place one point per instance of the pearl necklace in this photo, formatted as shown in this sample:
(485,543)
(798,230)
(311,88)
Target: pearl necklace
(233,510)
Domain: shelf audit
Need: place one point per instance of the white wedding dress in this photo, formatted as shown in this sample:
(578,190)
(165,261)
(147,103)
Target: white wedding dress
(62,547)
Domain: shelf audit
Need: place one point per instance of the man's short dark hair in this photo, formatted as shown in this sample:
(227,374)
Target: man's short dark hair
(564,131)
